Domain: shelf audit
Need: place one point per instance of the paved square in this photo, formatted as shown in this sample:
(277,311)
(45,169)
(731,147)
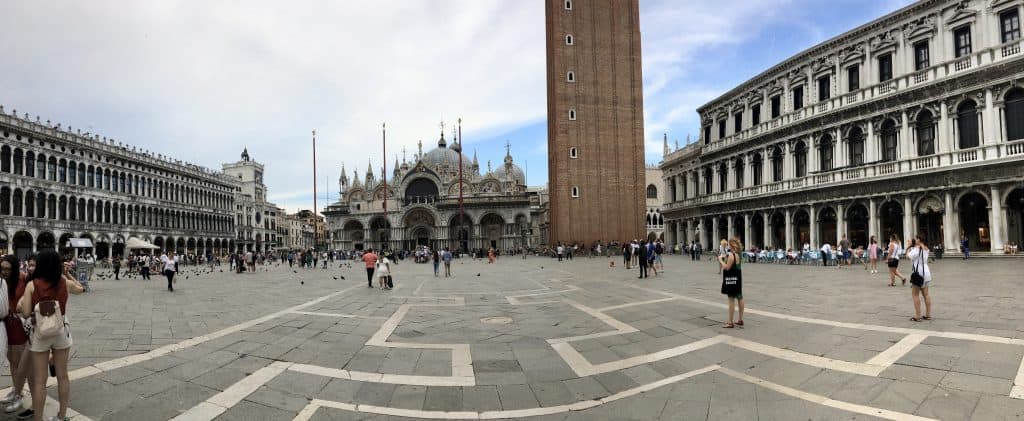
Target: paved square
(542,340)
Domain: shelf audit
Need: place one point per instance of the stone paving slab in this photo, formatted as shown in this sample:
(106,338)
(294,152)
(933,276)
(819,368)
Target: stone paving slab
(652,345)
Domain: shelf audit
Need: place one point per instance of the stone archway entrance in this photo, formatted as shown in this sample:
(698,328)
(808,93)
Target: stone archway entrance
(491,230)
(46,241)
(857,225)
(801,228)
(353,235)
(757,230)
(740,228)
(929,220)
(828,224)
(973,210)
(459,232)
(778,227)
(891,217)
(419,229)
(22,243)
(1015,216)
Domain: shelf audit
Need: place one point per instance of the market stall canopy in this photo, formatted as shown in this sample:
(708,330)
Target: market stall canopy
(137,243)
(80,243)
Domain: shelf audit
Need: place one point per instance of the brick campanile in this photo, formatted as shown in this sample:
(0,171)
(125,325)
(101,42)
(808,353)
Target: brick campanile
(595,121)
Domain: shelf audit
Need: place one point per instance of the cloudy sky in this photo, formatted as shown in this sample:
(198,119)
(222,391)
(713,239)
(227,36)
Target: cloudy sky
(200,80)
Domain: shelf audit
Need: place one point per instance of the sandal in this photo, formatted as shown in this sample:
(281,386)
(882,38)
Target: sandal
(739,323)
(926,318)
(915,319)
(728,326)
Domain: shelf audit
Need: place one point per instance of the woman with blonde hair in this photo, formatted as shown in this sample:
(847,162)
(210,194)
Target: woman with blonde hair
(732,279)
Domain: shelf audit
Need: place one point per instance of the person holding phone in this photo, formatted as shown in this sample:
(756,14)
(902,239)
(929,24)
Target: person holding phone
(921,279)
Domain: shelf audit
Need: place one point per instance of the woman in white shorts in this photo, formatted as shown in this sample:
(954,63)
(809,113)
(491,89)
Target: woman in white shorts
(52,281)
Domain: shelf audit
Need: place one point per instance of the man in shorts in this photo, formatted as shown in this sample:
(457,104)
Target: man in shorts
(446,256)
(844,245)
(370,259)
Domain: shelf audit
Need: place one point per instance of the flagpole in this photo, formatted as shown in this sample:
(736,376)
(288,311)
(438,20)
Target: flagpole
(314,174)
(462,212)
(384,146)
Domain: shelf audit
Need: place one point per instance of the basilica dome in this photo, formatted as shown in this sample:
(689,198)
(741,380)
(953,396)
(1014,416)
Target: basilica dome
(443,156)
(511,170)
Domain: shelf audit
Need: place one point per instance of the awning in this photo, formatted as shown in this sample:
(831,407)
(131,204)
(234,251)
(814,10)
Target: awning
(80,243)
(136,243)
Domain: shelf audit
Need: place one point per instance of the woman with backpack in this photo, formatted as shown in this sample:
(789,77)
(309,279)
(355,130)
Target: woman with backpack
(17,354)
(46,302)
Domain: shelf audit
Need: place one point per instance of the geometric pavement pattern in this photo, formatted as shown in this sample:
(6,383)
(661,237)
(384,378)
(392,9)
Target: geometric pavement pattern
(538,339)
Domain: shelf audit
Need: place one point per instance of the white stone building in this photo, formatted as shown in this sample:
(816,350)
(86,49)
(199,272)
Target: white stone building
(255,217)
(56,184)
(910,124)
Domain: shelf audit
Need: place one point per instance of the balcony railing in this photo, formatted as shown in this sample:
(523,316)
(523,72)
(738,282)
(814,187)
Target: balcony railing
(936,72)
(864,173)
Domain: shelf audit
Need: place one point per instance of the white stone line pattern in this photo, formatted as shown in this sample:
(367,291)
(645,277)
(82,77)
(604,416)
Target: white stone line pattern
(515,299)
(898,350)
(221,402)
(344,316)
(462,360)
(860,326)
(309,410)
(822,400)
(1016,392)
(307,413)
(188,343)
(619,327)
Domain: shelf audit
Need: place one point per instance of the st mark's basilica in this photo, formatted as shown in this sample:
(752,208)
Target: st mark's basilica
(422,204)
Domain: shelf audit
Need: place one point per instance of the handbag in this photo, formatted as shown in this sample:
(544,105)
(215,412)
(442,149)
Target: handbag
(732,281)
(916,279)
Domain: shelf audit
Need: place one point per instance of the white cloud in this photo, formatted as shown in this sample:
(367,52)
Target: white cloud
(200,80)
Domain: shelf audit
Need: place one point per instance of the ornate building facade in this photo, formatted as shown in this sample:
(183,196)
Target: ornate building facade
(57,184)
(255,217)
(422,205)
(911,124)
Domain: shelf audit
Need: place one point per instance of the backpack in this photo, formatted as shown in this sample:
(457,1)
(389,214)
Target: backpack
(49,321)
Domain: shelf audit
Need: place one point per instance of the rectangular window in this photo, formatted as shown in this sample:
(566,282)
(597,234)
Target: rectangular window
(853,78)
(707,134)
(737,122)
(755,114)
(824,88)
(962,41)
(1010,25)
(575,192)
(798,98)
(776,106)
(921,60)
(721,129)
(885,68)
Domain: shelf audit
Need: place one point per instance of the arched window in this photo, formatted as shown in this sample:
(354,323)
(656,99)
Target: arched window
(570,76)
(707,181)
(800,159)
(723,177)
(757,167)
(739,173)
(855,145)
(777,164)
(925,133)
(825,152)
(1014,112)
(5,159)
(967,124)
(889,141)
(568,39)
(41,166)
(652,192)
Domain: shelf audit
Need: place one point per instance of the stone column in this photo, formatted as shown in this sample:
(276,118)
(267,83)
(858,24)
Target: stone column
(789,230)
(714,230)
(950,227)
(904,139)
(680,179)
(870,143)
(746,230)
(730,175)
(840,224)
(732,227)
(840,155)
(813,153)
(766,169)
(995,220)
(942,134)
(700,183)
(748,171)
(767,226)
(873,220)
(989,131)
(787,161)
(814,226)
(908,220)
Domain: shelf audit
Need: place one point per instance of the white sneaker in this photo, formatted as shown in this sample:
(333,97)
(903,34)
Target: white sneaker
(11,396)
(14,406)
